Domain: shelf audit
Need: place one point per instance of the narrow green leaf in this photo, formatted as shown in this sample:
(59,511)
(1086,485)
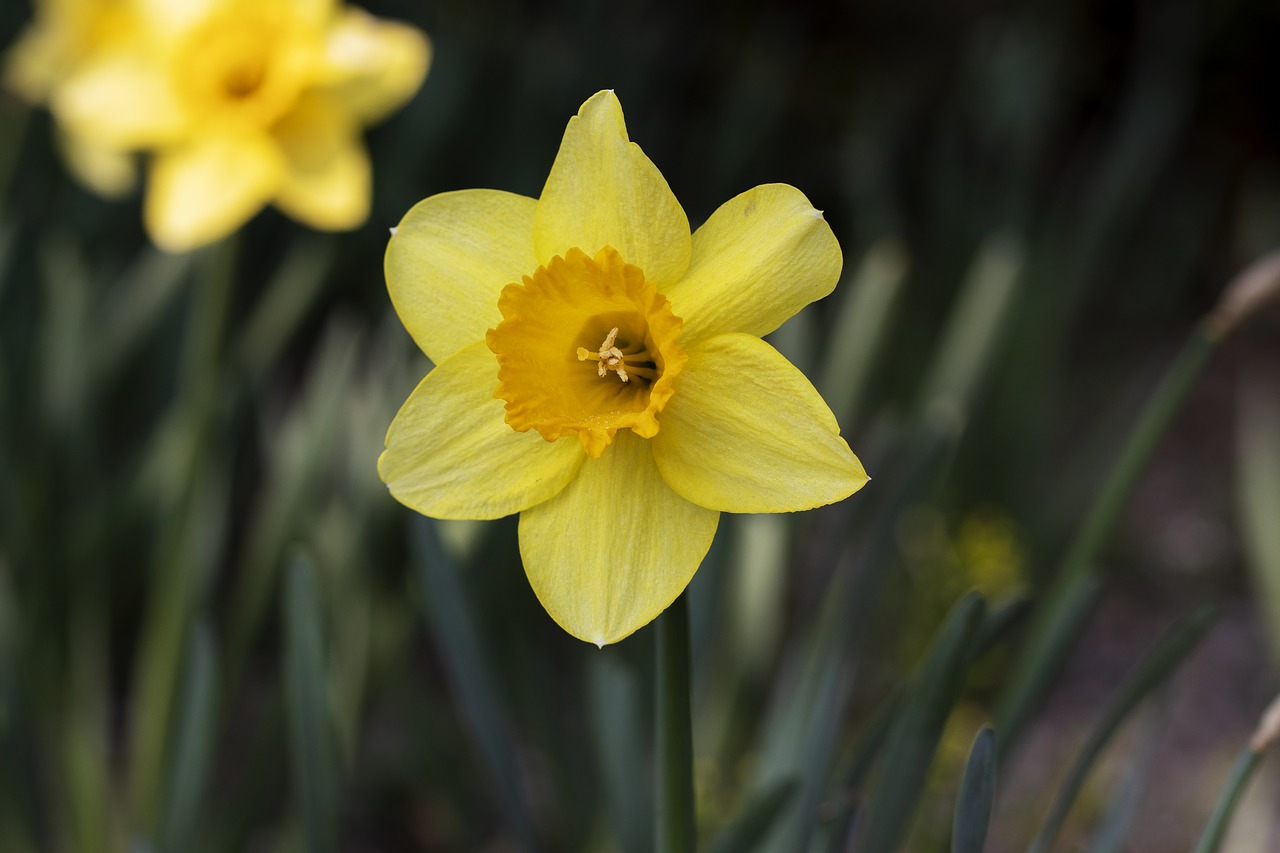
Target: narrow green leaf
(458,637)
(1126,797)
(974,328)
(287,298)
(977,793)
(1054,623)
(757,818)
(1058,619)
(1155,668)
(19,811)
(914,735)
(996,624)
(193,745)
(1216,829)
(302,444)
(84,745)
(1258,493)
(862,325)
(189,550)
(311,737)
(801,724)
(134,305)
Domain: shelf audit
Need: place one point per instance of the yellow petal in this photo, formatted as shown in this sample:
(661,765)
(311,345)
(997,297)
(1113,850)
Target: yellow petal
(107,171)
(202,192)
(169,21)
(450,454)
(759,259)
(615,548)
(39,57)
(312,12)
(121,101)
(746,432)
(327,176)
(449,259)
(373,66)
(604,191)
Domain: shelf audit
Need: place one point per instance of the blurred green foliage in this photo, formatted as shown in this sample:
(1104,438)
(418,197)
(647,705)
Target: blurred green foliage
(218,632)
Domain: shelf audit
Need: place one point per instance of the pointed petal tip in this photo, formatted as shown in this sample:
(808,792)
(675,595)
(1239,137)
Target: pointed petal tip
(393,229)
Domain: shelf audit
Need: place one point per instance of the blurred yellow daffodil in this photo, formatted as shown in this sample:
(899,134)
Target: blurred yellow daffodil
(61,35)
(640,401)
(241,103)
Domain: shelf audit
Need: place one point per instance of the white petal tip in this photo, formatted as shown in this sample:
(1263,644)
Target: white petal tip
(393,230)
(599,644)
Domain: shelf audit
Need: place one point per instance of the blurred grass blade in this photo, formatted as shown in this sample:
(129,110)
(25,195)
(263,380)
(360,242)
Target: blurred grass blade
(66,287)
(1264,736)
(19,809)
(861,327)
(1158,665)
(914,735)
(757,817)
(973,332)
(1220,819)
(133,307)
(15,117)
(1258,491)
(761,547)
(620,734)
(288,296)
(311,737)
(189,550)
(996,624)
(458,637)
(84,745)
(301,445)
(192,523)
(1126,800)
(193,745)
(1057,620)
(8,241)
(798,737)
(800,726)
(977,793)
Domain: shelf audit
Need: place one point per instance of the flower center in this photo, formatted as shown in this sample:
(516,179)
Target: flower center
(586,346)
(609,357)
(248,64)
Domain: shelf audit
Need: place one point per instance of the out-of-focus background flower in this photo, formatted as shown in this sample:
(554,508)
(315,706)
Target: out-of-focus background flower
(1036,202)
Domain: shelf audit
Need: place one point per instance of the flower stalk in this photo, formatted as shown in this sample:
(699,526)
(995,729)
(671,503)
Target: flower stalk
(1067,602)
(1065,605)
(675,801)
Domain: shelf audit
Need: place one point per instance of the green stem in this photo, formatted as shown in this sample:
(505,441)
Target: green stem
(1216,828)
(1057,621)
(1153,671)
(178,561)
(675,806)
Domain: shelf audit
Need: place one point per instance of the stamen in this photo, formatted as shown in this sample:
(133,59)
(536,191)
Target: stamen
(609,357)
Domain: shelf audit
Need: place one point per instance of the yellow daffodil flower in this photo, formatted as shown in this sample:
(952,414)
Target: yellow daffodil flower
(62,34)
(600,371)
(241,103)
